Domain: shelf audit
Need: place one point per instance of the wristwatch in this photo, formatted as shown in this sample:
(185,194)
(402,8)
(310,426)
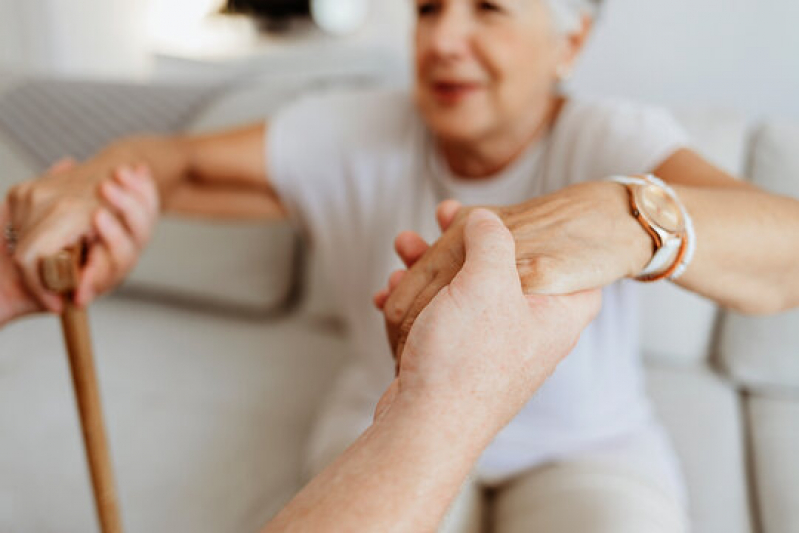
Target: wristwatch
(663,217)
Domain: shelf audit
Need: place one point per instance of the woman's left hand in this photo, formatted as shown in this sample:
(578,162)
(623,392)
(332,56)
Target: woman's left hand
(579,238)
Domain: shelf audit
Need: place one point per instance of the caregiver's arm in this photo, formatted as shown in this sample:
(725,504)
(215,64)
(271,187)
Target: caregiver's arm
(473,360)
(400,475)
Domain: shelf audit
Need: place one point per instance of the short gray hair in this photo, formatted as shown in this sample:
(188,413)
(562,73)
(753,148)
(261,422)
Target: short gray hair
(567,13)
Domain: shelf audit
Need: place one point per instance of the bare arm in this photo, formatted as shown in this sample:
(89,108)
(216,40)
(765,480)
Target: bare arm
(222,174)
(744,259)
(584,236)
(400,475)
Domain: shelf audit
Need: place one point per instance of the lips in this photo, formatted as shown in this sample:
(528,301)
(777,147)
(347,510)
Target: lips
(451,92)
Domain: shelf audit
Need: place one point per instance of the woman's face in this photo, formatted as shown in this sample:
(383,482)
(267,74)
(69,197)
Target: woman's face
(483,67)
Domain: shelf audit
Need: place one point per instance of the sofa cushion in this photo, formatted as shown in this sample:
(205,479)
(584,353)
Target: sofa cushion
(760,352)
(703,416)
(207,417)
(677,325)
(775,440)
(232,264)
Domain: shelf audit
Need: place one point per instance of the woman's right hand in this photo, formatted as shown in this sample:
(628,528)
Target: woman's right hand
(113,211)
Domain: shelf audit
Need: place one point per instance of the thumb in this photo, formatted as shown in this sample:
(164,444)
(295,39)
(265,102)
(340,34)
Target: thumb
(446,212)
(489,245)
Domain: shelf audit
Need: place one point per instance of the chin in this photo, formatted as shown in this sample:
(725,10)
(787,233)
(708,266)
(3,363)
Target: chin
(461,123)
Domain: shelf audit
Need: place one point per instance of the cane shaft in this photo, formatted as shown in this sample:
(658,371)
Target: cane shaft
(60,274)
(87,395)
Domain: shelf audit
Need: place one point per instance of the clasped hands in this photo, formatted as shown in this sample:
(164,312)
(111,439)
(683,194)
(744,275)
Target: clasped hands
(579,238)
(482,317)
(114,207)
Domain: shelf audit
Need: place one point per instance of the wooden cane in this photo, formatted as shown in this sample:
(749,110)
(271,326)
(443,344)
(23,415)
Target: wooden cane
(60,274)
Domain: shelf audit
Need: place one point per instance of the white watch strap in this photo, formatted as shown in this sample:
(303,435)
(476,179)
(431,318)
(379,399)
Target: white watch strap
(690,234)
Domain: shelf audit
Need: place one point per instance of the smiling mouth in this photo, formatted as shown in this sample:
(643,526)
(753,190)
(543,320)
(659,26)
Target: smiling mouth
(454,92)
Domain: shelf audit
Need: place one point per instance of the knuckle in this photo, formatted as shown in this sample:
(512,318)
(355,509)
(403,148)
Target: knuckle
(538,271)
(18,193)
(36,194)
(394,314)
(18,259)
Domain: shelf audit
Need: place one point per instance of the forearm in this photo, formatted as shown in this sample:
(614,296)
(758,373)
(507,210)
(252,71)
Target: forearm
(220,174)
(168,158)
(745,255)
(400,475)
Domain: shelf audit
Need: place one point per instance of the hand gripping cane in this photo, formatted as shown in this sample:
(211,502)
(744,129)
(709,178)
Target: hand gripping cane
(60,274)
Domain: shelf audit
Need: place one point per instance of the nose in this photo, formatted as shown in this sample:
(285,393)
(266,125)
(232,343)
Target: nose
(450,34)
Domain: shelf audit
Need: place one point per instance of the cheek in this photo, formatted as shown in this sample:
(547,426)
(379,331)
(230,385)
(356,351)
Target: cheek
(520,66)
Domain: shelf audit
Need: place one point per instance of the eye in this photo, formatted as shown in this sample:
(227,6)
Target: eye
(427,8)
(489,6)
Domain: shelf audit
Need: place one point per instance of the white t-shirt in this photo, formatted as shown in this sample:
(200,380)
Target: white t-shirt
(356,169)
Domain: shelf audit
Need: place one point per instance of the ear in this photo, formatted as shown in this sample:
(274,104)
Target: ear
(574,42)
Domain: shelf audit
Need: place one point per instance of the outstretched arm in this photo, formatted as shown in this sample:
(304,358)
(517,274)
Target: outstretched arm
(584,237)
(222,175)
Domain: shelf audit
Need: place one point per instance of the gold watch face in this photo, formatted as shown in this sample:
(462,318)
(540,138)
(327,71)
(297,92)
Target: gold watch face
(660,208)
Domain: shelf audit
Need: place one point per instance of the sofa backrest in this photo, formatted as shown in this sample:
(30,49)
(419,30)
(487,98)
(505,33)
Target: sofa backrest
(678,327)
(762,353)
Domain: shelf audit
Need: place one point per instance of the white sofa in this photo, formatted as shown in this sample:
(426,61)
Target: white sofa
(215,355)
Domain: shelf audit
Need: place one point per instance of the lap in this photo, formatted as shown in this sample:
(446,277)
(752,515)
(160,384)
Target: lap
(586,497)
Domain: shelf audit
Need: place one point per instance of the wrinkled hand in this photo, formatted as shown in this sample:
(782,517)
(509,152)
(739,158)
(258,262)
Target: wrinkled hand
(481,345)
(582,237)
(115,216)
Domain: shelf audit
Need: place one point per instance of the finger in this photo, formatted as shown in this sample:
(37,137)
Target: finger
(62,165)
(379,299)
(586,305)
(402,297)
(398,335)
(130,209)
(140,182)
(410,247)
(54,233)
(578,309)
(446,213)
(395,279)
(28,268)
(97,270)
(121,248)
(489,246)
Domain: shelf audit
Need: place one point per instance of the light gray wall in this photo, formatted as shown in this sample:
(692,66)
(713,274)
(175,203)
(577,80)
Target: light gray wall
(741,54)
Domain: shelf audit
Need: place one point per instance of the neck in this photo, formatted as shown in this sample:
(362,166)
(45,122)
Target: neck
(494,152)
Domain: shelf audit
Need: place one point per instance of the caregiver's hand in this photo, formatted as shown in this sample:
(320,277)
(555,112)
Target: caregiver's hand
(481,346)
(581,237)
(114,215)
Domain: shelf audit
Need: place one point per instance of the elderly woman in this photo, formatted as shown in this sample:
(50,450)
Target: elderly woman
(486,125)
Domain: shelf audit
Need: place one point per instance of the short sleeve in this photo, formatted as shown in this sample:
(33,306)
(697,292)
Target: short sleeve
(602,138)
(304,157)
(326,154)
